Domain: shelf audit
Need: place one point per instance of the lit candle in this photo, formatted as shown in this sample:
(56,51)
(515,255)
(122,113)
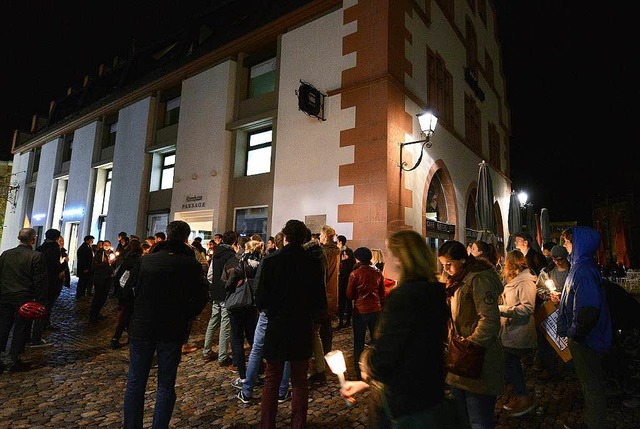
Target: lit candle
(337,365)
(112,256)
(550,285)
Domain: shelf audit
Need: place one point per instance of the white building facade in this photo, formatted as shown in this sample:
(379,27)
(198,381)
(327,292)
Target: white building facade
(219,138)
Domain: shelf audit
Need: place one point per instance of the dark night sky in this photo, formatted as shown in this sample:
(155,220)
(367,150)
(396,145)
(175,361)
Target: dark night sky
(570,85)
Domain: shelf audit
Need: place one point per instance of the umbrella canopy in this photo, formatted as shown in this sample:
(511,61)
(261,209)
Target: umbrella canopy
(515,219)
(530,220)
(538,236)
(484,206)
(620,241)
(545,225)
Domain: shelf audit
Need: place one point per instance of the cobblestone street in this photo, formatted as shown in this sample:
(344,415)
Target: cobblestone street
(80,382)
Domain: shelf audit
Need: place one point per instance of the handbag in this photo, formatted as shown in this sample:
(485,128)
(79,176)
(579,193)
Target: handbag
(241,297)
(465,358)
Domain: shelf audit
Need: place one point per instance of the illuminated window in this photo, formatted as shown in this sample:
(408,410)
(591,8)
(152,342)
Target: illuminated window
(173,111)
(259,152)
(262,78)
(168,167)
(107,192)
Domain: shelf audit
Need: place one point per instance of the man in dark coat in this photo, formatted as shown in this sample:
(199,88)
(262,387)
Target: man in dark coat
(223,259)
(23,278)
(291,290)
(170,289)
(84,270)
(535,259)
(50,249)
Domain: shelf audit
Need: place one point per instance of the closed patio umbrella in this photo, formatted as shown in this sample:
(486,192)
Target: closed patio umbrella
(514,221)
(484,206)
(545,225)
(600,254)
(530,219)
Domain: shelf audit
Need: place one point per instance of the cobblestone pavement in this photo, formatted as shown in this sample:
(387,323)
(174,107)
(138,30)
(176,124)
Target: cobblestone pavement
(80,382)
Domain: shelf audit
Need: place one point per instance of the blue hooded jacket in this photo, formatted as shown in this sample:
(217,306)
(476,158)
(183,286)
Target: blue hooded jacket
(583,313)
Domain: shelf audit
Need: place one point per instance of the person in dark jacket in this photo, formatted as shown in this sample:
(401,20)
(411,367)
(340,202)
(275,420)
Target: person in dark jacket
(535,259)
(583,317)
(366,290)
(407,358)
(125,298)
(23,278)
(345,306)
(84,257)
(170,289)
(290,288)
(102,271)
(223,259)
(50,249)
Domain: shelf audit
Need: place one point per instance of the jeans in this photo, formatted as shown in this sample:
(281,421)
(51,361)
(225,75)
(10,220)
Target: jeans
(141,356)
(362,322)
(299,394)
(476,407)
(322,341)
(588,365)
(219,317)
(515,374)
(40,325)
(255,361)
(243,325)
(21,328)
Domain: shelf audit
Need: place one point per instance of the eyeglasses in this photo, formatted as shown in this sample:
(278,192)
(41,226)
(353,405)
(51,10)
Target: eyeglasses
(558,259)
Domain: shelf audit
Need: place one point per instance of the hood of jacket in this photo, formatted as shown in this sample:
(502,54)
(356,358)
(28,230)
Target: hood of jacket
(585,243)
(525,275)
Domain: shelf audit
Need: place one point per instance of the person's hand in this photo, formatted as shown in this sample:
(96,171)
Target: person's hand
(350,388)
(555,296)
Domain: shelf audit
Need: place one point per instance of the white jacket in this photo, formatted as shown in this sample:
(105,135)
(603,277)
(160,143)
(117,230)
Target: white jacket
(517,325)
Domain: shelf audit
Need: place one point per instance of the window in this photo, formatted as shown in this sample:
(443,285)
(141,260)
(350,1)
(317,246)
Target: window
(67,147)
(259,152)
(488,67)
(107,193)
(172,115)
(472,123)
(110,131)
(252,220)
(494,145)
(482,11)
(168,167)
(440,87)
(472,48)
(262,78)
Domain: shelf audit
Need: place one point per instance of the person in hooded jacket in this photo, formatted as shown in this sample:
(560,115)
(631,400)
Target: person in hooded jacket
(583,317)
(223,259)
(473,287)
(518,328)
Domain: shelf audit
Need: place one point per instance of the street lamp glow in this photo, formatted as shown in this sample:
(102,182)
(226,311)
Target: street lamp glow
(523,197)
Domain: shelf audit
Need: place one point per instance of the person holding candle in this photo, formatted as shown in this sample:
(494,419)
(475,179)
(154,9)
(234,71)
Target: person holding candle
(102,271)
(517,327)
(405,365)
(549,287)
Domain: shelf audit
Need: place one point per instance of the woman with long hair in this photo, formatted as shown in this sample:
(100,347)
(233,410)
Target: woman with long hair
(517,327)
(345,306)
(405,365)
(473,288)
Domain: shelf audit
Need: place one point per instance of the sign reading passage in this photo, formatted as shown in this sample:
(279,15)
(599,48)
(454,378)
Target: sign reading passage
(547,320)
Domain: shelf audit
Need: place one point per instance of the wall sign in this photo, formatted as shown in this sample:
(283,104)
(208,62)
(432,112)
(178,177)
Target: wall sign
(194,202)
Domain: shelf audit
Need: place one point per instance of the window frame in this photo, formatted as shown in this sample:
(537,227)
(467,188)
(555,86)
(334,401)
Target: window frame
(250,149)
(164,167)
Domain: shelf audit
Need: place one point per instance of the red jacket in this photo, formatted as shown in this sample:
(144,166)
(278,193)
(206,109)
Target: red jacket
(366,289)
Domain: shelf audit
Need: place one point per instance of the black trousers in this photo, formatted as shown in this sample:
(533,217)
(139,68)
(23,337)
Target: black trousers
(21,328)
(84,285)
(100,294)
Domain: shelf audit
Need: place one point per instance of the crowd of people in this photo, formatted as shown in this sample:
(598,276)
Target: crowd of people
(300,284)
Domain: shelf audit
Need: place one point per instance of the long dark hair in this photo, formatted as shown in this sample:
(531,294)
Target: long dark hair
(347,264)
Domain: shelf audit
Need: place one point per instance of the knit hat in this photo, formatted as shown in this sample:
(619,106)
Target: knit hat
(559,252)
(363,255)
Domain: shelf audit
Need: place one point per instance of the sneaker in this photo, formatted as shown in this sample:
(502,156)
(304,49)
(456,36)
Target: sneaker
(284,398)
(41,343)
(522,405)
(237,382)
(318,378)
(233,368)
(18,367)
(225,362)
(186,348)
(210,356)
(243,398)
